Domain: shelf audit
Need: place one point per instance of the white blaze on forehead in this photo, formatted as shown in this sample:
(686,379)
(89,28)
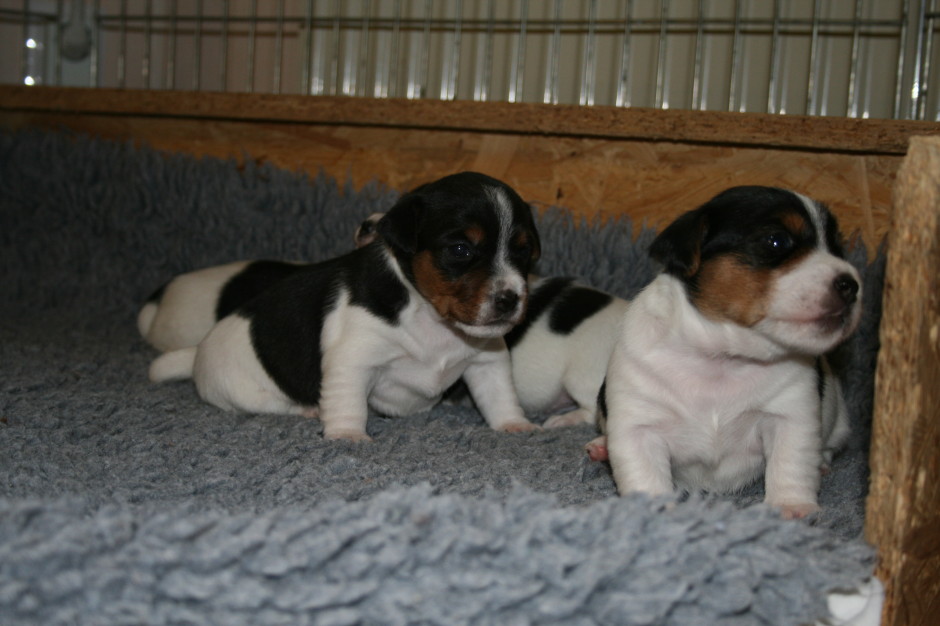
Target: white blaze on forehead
(816,217)
(505,276)
(503,207)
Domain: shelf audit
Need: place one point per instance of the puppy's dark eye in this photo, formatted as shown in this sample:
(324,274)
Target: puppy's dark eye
(460,251)
(778,242)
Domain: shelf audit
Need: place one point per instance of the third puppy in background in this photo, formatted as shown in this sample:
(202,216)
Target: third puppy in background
(716,377)
(560,350)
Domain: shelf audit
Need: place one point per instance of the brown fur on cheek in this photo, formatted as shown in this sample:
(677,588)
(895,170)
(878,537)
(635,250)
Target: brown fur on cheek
(729,290)
(459,300)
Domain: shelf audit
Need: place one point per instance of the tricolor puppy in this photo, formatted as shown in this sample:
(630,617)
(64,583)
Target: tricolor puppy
(390,325)
(560,350)
(183,311)
(716,378)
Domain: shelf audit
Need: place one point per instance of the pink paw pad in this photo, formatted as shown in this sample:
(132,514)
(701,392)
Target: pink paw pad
(597,449)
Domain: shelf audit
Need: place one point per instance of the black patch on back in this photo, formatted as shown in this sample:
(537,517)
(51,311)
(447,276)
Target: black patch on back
(540,299)
(248,283)
(575,305)
(287,319)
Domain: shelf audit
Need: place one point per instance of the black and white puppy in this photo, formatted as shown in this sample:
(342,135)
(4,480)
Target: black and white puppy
(715,378)
(560,350)
(390,325)
(183,311)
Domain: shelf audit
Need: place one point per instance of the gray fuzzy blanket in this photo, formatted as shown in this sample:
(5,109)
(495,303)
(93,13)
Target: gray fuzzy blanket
(122,502)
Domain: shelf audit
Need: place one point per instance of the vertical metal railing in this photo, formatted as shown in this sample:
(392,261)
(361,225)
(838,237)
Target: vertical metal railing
(921,90)
(624,75)
(516,80)
(821,57)
(550,93)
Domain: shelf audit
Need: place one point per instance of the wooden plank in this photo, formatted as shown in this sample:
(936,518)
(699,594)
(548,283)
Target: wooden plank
(903,507)
(752,129)
(593,177)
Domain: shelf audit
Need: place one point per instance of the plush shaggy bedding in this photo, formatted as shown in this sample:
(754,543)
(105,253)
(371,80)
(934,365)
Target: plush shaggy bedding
(123,502)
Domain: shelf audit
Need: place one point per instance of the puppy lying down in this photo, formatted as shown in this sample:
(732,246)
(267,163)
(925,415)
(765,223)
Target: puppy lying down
(559,351)
(716,377)
(390,325)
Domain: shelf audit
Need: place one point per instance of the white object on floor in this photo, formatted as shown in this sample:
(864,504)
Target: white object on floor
(858,607)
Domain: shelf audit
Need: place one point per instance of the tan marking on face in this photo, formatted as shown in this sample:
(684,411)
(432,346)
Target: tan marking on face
(695,262)
(460,300)
(794,222)
(729,290)
(475,235)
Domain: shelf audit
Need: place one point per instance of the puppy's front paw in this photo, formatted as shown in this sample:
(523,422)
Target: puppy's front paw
(518,427)
(797,511)
(571,418)
(597,449)
(312,412)
(356,436)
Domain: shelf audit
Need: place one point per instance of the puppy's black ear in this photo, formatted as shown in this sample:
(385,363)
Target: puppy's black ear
(399,227)
(534,239)
(536,245)
(679,247)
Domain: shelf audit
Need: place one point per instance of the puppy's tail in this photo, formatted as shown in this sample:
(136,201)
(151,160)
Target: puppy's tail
(174,365)
(149,311)
(145,318)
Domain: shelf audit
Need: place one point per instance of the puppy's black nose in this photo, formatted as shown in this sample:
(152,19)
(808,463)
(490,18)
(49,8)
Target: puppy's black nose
(505,301)
(846,287)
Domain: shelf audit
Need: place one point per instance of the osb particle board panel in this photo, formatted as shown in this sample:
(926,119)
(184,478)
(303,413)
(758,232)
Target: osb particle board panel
(903,508)
(651,181)
(830,134)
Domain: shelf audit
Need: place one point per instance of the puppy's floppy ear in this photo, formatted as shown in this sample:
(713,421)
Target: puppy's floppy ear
(536,245)
(399,227)
(679,247)
(534,239)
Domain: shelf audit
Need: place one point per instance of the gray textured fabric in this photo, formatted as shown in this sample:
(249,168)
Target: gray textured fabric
(124,502)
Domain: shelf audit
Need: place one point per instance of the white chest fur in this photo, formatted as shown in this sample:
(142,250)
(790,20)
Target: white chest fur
(720,422)
(686,406)
(408,366)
